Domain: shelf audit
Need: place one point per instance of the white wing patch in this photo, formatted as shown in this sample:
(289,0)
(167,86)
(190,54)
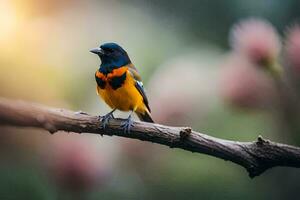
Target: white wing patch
(140,83)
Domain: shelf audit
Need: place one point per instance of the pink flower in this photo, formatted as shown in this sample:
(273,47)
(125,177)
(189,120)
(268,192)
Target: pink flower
(292,48)
(75,165)
(256,39)
(182,89)
(242,85)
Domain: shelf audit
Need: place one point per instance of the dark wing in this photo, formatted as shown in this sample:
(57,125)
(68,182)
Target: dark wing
(139,84)
(140,88)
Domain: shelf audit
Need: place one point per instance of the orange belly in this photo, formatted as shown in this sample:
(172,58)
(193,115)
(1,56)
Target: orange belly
(125,98)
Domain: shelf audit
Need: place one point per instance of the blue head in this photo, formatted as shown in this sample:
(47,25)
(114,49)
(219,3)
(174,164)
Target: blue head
(112,56)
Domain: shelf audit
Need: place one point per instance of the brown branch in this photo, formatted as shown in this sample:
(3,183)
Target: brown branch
(255,157)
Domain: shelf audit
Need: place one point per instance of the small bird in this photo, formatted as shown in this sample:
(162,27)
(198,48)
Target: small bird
(120,86)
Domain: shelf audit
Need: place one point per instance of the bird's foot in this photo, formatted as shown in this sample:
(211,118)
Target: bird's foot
(127,124)
(105,119)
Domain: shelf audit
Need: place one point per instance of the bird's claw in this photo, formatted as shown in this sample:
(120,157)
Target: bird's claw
(105,119)
(127,125)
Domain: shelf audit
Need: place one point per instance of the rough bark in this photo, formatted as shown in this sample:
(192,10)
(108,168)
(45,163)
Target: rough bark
(256,157)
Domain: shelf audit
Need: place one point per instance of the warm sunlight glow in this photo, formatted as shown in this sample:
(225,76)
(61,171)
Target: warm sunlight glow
(8,19)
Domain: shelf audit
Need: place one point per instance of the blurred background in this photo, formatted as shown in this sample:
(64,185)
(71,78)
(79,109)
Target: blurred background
(230,69)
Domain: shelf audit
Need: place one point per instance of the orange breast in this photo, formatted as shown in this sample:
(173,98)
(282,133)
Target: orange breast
(124,98)
(115,73)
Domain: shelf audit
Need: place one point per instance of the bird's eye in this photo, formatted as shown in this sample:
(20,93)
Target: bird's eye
(109,50)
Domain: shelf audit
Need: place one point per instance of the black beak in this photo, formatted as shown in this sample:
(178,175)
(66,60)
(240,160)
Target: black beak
(97,51)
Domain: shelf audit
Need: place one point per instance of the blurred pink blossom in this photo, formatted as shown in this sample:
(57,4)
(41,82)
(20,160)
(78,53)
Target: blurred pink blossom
(292,48)
(182,90)
(243,85)
(75,165)
(256,39)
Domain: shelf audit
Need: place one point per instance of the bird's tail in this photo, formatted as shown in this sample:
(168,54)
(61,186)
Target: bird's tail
(146,116)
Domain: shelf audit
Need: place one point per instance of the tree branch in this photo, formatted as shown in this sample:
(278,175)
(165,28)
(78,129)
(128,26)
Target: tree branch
(255,157)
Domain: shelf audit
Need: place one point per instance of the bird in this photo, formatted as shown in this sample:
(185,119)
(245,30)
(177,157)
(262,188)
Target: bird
(120,85)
